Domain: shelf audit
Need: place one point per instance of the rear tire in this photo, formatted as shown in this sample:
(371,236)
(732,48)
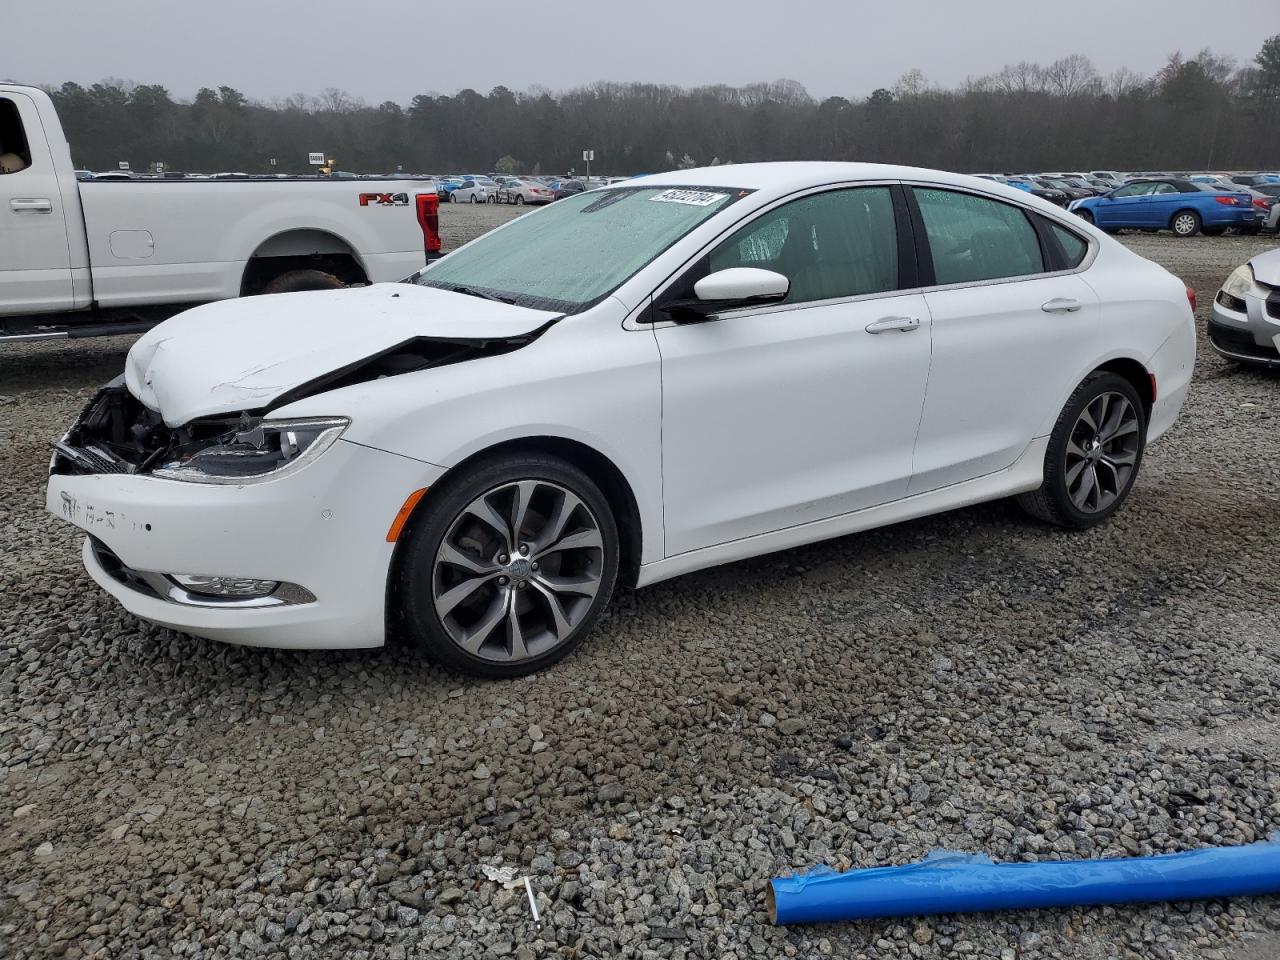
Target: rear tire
(516,619)
(1094,454)
(296,281)
(1185,223)
(473,198)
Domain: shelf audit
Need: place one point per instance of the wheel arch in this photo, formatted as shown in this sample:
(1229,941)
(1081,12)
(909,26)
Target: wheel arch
(299,249)
(603,472)
(1138,376)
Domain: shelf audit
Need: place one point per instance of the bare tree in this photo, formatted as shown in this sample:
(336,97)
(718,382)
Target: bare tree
(1072,76)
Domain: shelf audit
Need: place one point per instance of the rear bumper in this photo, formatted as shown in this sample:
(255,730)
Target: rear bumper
(322,529)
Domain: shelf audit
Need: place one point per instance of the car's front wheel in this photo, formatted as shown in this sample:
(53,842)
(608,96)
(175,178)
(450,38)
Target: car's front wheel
(1094,454)
(509,566)
(1085,215)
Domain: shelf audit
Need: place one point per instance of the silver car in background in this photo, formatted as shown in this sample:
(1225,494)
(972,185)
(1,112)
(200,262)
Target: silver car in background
(1245,326)
(520,191)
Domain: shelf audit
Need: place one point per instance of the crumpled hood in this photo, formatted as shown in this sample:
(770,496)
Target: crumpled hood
(242,354)
(1266,267)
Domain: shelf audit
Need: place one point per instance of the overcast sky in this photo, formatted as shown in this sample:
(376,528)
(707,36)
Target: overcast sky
(391,51)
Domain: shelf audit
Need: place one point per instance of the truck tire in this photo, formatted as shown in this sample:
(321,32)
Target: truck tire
(297,280)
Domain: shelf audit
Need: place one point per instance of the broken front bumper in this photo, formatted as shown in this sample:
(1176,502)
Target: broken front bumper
(320,531)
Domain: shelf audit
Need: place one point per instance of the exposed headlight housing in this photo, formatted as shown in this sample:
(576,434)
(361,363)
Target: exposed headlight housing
(257,451)
(1240,282)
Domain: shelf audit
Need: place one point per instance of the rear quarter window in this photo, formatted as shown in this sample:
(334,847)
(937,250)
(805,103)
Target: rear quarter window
(1074,247)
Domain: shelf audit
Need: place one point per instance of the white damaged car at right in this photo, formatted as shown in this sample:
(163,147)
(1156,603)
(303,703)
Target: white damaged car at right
(1245,325)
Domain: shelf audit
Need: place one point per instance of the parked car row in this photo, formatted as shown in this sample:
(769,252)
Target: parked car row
(1186,203)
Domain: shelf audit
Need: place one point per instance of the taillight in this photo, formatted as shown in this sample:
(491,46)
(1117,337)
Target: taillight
(1264,204)
(1191,298)
(429,221)
(1226,201)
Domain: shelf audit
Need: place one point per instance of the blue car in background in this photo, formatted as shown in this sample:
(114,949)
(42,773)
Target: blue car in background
(1169,203)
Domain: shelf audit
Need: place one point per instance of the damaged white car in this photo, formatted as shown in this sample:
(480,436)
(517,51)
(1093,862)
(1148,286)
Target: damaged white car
(630,384)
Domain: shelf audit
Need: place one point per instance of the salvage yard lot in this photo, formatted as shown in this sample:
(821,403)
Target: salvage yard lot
(974,680)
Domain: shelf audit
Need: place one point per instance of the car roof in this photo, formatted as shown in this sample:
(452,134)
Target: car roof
(796,175)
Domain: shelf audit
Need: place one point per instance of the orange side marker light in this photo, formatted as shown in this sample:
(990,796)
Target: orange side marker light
(402,517)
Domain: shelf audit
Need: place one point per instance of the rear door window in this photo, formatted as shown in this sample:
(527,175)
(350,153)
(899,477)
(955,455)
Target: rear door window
(973,238)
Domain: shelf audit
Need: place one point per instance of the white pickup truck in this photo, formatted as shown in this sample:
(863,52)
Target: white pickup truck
(84,258)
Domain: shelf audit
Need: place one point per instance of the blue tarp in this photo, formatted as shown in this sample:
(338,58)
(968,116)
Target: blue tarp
(945,882)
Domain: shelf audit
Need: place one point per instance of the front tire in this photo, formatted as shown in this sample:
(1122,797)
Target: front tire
(1086,216)
(519,200)
(509,566)
(453,198)
(1094,454)
(1185,223)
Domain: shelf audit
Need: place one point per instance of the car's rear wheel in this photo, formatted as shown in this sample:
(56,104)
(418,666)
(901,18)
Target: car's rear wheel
(473,198)
(1185,223)
(296,281)
(509,567)
(1095,451)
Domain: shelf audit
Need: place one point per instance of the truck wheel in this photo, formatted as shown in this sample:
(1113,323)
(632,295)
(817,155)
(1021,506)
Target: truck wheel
(298,280)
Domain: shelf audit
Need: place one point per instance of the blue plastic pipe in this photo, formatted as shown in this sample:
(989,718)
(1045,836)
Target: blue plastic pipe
(945,882)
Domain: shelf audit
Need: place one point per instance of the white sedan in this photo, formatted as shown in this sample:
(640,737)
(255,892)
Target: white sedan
(630,384)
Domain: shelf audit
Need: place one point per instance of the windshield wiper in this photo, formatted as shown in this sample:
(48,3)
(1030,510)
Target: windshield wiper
(482,294)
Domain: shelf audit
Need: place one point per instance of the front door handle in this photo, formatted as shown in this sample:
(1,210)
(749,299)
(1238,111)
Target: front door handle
(1061,305)
(31,205)
(901,324)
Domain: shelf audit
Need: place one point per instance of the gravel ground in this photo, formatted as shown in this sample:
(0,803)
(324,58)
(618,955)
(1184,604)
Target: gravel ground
(972,680)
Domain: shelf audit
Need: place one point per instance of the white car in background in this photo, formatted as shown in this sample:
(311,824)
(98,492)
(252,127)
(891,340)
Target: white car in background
(469,191)
(627,385)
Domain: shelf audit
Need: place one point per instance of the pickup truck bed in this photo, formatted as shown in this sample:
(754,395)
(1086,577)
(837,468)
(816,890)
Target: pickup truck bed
(90,257)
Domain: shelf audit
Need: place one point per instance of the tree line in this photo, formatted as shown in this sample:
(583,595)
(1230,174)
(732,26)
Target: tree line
(1202,111)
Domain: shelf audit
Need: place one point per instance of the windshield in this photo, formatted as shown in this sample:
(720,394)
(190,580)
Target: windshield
(579,250)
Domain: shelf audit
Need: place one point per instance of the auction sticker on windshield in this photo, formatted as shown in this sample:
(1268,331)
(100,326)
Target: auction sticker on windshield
(694,198)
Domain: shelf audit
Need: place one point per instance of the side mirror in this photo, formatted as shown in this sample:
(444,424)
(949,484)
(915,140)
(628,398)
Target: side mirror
(728,289)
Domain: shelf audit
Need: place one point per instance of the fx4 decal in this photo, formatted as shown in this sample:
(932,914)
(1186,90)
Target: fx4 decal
(384,199)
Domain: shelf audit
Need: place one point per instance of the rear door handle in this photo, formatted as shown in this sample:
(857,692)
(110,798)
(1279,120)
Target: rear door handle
(1061,305)
(31,204)
(901,324)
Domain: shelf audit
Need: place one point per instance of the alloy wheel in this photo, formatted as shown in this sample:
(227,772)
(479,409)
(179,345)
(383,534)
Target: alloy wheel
(1102,452)
(1184,225)
(517,570)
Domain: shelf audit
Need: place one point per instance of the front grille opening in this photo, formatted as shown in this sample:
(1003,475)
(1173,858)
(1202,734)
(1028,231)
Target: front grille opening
(117,434)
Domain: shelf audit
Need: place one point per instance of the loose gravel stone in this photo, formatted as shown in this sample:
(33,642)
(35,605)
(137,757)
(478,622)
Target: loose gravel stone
(972,681)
